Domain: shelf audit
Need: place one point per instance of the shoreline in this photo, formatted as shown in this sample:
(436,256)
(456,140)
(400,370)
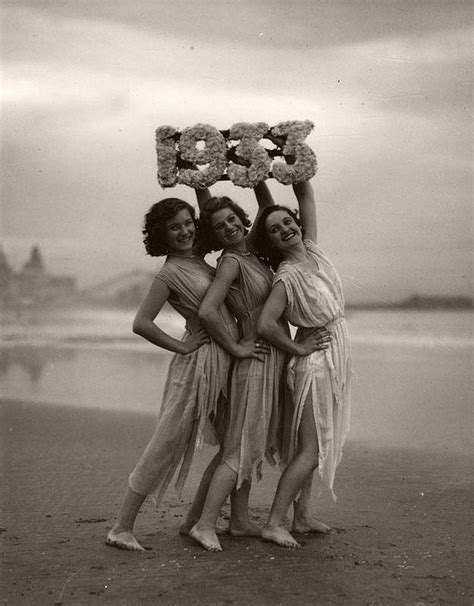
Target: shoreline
(357,443)
(404,515)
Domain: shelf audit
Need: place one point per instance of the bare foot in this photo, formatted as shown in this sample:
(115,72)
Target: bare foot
(123,540)
(206,537)
(280,536)
(304,524)
(244,529)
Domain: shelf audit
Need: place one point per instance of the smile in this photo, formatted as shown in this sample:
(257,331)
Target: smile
(288,236)
(233,233)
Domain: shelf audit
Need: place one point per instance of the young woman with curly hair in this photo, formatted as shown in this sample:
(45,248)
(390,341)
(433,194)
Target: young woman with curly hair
(194,400)
(307,292)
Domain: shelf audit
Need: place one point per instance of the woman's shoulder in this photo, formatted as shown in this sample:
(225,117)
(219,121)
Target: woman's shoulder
(167,273)
(230,258)
(314,248)
(310,244)
(284,272)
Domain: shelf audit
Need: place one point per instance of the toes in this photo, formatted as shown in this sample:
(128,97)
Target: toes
(210,546)
(290,544)
(122,545)
(124,541)
(208,543)
(282,538)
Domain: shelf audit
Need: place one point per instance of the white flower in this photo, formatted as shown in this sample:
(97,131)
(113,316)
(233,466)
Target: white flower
(213,154)
(251,152)
(305,165)
(166,155)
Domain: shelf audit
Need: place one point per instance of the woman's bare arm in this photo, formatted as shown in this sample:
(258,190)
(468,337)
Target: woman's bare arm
(145,326)
(270,328)
(202,195)
(264,199)
(226,273)
(307,207)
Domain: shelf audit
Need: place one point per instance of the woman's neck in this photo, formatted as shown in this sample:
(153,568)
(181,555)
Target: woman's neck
(183,255)
(295,254)
(241,247)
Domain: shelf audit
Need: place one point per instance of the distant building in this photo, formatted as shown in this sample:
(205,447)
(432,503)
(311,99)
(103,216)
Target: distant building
(7,286)
(33,285)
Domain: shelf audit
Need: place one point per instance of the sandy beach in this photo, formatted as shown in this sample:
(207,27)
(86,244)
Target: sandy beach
(77,410)
(403,520)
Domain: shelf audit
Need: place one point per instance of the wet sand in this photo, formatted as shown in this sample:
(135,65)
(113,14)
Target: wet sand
(404,520)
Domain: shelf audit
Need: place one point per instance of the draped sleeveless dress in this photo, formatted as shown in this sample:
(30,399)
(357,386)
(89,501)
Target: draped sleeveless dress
(195,394)
(322,379)
(256,396)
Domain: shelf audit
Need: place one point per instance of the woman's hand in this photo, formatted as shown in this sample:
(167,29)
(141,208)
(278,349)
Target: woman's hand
(318,340)
(195,341)
(252,348)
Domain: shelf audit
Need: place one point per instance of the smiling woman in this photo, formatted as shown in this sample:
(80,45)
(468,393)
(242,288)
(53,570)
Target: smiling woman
(221,219)
(307,292)
(195,393)
(281,228)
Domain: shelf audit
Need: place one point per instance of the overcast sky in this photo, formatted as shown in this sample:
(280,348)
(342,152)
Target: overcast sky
(387,85)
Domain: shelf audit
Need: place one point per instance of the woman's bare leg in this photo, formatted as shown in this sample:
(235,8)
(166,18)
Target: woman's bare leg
(194,512)
(292,480)
(303,519)
(121,535)
(240,525)
(204,531)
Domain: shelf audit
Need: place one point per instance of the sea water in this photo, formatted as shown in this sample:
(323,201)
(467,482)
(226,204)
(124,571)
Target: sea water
(412,384)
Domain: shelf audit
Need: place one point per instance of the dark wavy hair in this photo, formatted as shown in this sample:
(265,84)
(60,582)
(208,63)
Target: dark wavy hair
(265,250)
(154,227)
(208,240)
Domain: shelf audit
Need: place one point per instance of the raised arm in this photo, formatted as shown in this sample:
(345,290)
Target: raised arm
(209,314)
(274,332)
(307,206)
(202,195)
(145,326)
(264,199)
(263,195)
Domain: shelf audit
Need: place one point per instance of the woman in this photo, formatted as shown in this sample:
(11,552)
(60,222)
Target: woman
(243,282)
(194,398)
(307,292)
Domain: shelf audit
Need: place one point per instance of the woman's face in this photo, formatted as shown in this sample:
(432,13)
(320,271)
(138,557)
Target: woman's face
(229,229)
(180,232)
(282,231)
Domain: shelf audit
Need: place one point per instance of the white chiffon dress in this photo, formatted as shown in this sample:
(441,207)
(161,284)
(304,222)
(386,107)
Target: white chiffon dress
(322,379)
(194,402)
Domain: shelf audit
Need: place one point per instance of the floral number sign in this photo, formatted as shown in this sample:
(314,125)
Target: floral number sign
(166,155)
(213,155)
(201,155)
(302,169)
(250,151)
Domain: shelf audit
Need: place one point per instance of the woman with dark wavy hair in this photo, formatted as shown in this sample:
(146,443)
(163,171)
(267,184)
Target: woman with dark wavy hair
(307,292)
(243,282)
(194,400)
